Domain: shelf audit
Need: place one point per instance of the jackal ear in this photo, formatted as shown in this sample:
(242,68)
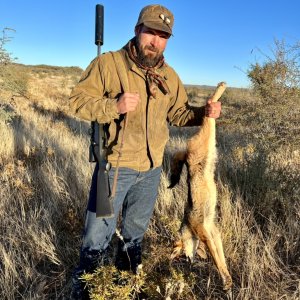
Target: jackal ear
(177,163)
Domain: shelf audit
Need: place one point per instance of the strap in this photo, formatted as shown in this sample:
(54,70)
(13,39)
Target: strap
(123,76)
(121,70)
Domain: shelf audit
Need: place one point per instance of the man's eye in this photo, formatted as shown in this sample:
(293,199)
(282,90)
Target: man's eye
(163,36)
(148,31)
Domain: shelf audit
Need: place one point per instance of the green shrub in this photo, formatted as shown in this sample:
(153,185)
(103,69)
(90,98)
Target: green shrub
(108,283)
(11,78)
(278,79)
(7,113)
(5,57)
(14,80)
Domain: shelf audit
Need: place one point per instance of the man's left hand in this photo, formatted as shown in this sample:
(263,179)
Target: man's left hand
(213,109)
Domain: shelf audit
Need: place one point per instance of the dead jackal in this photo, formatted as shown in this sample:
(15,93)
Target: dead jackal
(198,230)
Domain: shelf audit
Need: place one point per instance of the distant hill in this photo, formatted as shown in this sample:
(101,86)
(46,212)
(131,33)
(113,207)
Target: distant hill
(77,71)
(198,86)
(54,70)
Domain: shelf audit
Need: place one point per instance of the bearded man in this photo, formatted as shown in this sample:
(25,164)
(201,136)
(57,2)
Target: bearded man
(156,98)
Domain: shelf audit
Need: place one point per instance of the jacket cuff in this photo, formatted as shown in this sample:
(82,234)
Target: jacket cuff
(108,111)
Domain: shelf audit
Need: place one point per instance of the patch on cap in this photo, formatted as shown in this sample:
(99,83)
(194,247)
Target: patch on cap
(156,17)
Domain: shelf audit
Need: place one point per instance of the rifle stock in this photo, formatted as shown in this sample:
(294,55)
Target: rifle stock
(104,206)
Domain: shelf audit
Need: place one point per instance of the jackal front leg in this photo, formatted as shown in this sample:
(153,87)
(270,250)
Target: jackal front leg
(186,244)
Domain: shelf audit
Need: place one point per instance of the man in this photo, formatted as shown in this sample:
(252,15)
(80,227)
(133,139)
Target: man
(156,98)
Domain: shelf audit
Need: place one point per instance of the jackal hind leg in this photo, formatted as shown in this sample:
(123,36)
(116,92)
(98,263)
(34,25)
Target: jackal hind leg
(210,235)
(227,280)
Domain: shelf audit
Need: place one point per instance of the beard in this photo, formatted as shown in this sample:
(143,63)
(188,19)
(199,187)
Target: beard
(149,60)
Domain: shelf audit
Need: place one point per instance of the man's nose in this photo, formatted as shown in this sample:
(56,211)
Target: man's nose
(155,41)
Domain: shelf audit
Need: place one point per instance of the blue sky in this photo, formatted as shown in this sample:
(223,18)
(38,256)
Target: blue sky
(213,40)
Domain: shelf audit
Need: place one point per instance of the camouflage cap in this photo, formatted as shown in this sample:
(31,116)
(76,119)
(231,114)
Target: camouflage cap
(156,17)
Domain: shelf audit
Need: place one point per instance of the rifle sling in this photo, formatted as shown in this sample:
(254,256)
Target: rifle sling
(123,77)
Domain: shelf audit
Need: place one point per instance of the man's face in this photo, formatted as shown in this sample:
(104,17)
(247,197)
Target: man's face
(151,44)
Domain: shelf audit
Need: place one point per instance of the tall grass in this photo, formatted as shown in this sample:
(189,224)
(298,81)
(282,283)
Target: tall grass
(45,178)
(44,189)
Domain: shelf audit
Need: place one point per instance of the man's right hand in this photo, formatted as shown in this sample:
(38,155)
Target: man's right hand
(128,102)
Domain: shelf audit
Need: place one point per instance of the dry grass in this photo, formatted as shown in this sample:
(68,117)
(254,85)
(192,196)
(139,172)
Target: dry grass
(45,177)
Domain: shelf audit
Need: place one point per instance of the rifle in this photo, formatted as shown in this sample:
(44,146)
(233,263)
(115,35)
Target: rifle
(98,146)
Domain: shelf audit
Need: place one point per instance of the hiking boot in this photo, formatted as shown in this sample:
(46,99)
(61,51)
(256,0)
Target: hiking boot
(79,289)
(128,257)
(90,260)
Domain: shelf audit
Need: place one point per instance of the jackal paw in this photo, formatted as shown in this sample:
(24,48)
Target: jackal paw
(201,250)
(227,283)
(178,247)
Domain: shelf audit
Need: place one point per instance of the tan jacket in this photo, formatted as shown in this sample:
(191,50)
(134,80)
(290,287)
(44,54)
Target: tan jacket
(95,98)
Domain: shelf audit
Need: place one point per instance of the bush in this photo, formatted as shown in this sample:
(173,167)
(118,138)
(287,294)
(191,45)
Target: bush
(12,79)
(15,80)
(278,78)
(5,57)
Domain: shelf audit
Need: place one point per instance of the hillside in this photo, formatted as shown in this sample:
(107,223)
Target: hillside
(45,178)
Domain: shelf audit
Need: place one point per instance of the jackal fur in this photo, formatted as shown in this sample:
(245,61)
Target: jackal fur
(198,231)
